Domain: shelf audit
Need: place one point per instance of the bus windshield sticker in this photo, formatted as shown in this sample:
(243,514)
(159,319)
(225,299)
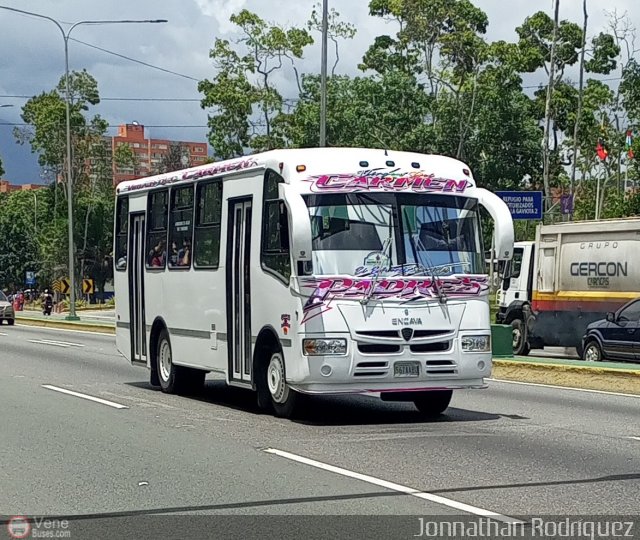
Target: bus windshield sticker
(325,290)
(386,180)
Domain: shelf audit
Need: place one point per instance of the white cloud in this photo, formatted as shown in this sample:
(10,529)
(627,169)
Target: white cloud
(221,10)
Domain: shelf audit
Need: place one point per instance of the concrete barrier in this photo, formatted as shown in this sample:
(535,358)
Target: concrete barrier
(68,325)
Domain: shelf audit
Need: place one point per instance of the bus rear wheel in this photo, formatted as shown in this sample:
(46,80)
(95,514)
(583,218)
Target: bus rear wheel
(433,403)
(273,390)
(175,379)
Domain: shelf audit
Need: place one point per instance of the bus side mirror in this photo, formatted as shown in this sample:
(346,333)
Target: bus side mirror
(503,223)
(299,224)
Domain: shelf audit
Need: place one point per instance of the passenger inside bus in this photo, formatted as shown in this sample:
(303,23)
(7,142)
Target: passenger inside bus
(184,255)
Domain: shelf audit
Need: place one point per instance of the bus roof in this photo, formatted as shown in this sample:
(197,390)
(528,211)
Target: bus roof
(333,170)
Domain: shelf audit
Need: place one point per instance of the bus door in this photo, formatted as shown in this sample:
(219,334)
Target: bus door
(136,289)
(239,290)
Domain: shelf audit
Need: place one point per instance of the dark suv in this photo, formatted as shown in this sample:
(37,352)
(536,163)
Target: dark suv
(616,337)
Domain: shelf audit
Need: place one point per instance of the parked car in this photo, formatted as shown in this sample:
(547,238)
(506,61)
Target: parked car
(617,337)
(6,310)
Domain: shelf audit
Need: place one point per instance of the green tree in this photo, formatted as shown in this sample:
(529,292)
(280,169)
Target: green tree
(1,168)
(126,159)
(18,243)
(177,158)
(242,93)
(385,111)
(336,29)
(92,186)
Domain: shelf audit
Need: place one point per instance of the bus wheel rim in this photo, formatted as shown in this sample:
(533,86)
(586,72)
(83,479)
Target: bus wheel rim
(165,361)
(275,379)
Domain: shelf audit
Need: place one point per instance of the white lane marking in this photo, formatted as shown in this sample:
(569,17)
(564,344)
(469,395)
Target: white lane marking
(56,343)
(41,342)
(634,438)
(2,334)
(85,396)
(566,388)
(395,487)
(54,329)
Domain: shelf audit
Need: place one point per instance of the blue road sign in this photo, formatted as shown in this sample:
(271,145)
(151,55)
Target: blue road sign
(30,278)
(523,204)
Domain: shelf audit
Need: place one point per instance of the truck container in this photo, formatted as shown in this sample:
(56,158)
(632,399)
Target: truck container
(571,275)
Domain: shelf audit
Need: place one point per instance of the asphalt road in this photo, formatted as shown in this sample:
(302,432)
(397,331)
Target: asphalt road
(513,450)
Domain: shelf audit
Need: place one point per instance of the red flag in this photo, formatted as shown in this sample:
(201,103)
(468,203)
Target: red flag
(602,152)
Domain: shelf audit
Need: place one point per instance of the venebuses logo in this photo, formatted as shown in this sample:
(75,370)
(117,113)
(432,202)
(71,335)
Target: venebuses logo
(19,527)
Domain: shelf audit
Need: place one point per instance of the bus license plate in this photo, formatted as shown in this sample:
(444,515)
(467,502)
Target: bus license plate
(406,369)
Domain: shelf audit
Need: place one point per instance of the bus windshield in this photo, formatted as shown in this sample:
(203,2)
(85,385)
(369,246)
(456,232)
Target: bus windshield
(387,234)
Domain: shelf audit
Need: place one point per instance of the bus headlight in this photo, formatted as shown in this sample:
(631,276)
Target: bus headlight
(476,343)
(324,347)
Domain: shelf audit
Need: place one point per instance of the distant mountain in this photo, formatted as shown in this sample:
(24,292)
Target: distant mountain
(20,165)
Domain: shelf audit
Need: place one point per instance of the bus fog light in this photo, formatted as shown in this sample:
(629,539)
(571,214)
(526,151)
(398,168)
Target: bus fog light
(476,343)
(324,347)
(326,370)
(481,365)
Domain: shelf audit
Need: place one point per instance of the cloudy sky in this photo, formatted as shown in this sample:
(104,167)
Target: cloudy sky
(32,54)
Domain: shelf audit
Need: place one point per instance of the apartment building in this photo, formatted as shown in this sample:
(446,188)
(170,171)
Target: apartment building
(149,152)
(8,187)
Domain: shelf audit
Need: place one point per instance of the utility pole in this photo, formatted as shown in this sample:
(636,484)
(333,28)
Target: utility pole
(69,165)
(323,74)
(547,111)
(579,111)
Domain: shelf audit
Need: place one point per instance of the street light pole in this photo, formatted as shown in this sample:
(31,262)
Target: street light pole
(65,36)
(323,74)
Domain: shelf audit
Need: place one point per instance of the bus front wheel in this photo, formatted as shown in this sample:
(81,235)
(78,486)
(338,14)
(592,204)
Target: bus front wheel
(273,390)
(433,403)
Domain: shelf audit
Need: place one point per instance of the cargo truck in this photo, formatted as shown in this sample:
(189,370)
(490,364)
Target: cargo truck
(571,275)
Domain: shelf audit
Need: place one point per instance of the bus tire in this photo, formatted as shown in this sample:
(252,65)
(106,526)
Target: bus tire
(175,379)
(433,403)
(273,391)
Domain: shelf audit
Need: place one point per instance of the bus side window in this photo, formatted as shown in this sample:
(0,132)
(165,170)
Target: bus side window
(122,231)
(275,229)
(157,229)
(206,242)
(181,228)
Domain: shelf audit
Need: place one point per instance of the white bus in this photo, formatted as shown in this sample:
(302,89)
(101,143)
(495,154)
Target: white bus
(312,271)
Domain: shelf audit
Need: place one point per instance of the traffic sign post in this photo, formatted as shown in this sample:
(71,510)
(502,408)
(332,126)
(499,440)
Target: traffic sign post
(30,278)
(88,286)
(65,286)
(523,204)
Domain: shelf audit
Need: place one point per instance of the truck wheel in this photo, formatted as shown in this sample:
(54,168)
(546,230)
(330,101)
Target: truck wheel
(593,352)
(520,343)
(433,403)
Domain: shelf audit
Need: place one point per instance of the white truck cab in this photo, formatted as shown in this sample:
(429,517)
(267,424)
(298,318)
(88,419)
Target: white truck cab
(515,292)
